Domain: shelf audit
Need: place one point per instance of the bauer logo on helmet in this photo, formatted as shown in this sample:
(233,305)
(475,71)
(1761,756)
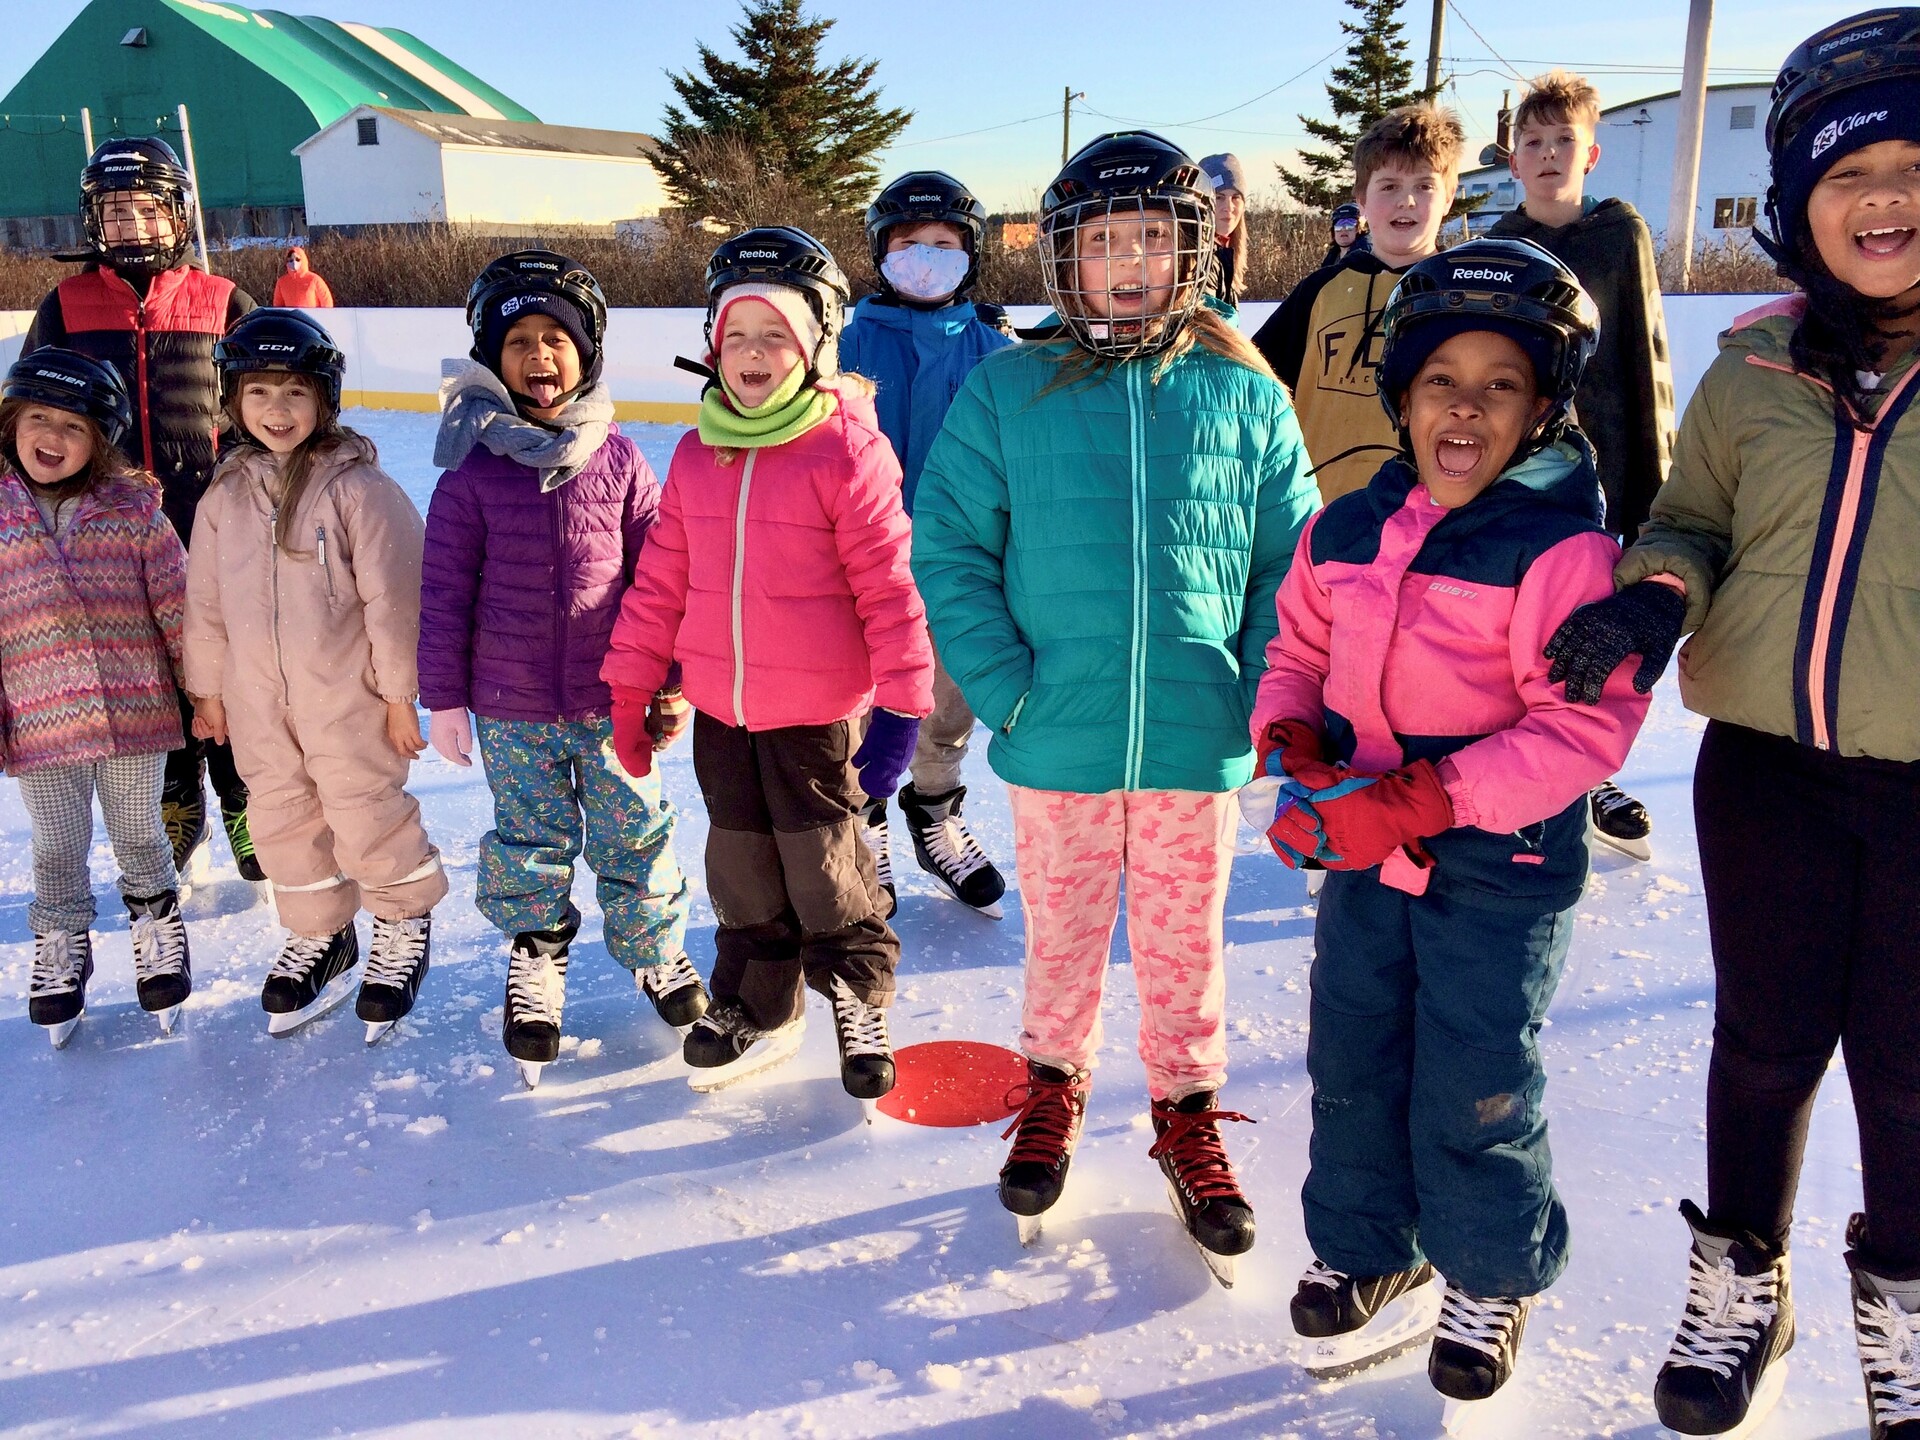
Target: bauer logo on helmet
(57,375)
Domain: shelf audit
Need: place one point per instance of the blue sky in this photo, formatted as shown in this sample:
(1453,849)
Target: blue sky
(965,65)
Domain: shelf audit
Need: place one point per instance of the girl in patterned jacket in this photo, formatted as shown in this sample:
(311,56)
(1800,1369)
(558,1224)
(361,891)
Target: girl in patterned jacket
(94,581)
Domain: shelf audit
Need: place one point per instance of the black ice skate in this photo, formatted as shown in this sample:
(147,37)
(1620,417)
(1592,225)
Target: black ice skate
(1045,1129)
(725,1047)
(396,964)
(1728,1362)
(947,850)
(866,1054)
(162,963)
(311,976)
(185,821)
(1621,821)
(57,992)
(240,841)
(1475,1349)
(1886,1324)
(879,842)
(674,990)
(1352,1321)
(536,997)
(1200,1180)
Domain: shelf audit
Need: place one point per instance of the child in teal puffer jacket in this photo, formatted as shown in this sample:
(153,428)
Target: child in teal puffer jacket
(1098,533)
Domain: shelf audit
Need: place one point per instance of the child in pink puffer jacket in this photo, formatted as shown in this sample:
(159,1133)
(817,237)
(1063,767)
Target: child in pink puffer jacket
(776,576)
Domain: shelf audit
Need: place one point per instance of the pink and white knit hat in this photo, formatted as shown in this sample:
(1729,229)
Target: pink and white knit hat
(793,307)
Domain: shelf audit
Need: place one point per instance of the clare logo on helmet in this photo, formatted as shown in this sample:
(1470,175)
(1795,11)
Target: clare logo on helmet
(513,304)
(1834,131)
(1123,170)
(1502,277)
(1852,37)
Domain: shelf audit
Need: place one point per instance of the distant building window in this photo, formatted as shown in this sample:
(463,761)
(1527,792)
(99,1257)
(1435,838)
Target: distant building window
(1735,212)
(1741,118)
(369,130)
(136,38)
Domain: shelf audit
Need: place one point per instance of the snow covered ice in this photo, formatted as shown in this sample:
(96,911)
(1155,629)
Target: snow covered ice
(219,1233)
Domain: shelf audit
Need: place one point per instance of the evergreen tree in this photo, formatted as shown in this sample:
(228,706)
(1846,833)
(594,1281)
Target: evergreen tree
(808,127)
(1377,77)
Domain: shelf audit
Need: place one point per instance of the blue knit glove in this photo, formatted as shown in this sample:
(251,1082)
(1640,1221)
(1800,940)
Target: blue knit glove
(884,755)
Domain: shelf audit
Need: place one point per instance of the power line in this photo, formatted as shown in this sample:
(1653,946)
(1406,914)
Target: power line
(1195,124)
(983,130)
(1486,42)
(1605,67)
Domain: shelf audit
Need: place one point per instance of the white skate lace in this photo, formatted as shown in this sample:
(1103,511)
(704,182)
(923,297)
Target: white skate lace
(57,965)
(1321,1273)
(1727,1313)
(954,849)
(159,944)
(397,948)
(862,1027)
(1482,1324)
(1610,797)
(298,957)
(668,976)
(1889,1336)
(880,846)
(536,986)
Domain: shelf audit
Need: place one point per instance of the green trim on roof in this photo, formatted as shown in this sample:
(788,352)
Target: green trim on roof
(508,107)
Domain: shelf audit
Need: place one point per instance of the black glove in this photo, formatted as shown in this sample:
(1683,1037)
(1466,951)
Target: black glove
(1644,619)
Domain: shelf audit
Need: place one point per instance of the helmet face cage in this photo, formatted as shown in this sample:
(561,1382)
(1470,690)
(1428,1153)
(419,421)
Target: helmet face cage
(926,197)
(67,380)
(783,255)
(1155,244)
(279,341)
(138,167)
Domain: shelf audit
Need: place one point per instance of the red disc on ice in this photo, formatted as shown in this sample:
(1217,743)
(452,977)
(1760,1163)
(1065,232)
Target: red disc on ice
(953,1082)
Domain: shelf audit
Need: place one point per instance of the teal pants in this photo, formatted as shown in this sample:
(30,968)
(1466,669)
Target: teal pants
(556,785)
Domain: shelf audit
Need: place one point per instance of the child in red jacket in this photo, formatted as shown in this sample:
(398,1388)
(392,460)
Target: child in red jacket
(777,578)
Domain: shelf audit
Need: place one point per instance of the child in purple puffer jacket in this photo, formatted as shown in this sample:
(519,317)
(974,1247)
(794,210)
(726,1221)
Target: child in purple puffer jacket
(532,535)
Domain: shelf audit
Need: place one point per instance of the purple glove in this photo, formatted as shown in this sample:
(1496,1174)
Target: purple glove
(884,755)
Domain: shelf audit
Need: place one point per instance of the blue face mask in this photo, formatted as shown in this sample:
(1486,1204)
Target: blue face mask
(926,272)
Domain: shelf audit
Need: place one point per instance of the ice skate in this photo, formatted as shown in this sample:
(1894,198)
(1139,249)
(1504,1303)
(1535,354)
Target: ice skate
(240,841)
(948,851)
(1045,1130)
(1316,881)
(536,998)
(725,1047)
(1886,1326)
(396,965)
(311,977)
(57,991)
(1728,1363)
(1475,1350)
(185,822)
(1621,821)
(879,843)
(1348,1322)
(866,1052)
(674,990)
(162,962)
(1200,1180)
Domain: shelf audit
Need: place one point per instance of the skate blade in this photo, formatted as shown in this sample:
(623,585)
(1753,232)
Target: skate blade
(1500,1415)
(335,990)
(1222,1266)
(1315,880)
(199,867)
(63,1032)
(263,891)
(774,1048)
(995,911)
(167,1018)
(1031,1228)
(868,1109)
(1641,850)
(1408,1321)
(1766,1395)
(378,1030)
(530,1072)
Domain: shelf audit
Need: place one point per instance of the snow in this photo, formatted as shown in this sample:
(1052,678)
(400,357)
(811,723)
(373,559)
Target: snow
(222,1233)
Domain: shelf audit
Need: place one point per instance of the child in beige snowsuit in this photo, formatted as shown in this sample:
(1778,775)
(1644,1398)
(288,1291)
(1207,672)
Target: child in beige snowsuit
(303,614)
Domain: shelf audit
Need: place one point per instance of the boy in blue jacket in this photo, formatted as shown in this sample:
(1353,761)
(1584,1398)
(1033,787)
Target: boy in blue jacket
(917,340)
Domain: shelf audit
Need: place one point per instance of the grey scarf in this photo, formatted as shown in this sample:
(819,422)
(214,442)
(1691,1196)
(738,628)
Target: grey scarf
(476,409)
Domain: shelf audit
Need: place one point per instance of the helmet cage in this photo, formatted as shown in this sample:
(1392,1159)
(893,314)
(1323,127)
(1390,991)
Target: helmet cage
(1084,309)
(135,172)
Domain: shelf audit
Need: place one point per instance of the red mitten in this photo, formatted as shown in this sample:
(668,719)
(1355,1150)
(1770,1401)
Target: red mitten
(1302,753)
(1403,808)
(631,741)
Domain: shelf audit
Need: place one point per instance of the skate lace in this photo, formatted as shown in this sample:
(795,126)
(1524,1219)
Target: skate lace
(297,959)
(669,976)
(536,985)
(954,849)
(182,823)
(1609,798)
(1482,1324)
(239,836)
(1047,1119)
(1191,1143)
(159,945)
(57,965)
(1889,1337)
(880,847)
(862,1027)
(1726,1314)
(397,948)
(1321,1273)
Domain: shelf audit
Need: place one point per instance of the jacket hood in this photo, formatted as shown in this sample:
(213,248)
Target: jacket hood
(1563,475)
(296,252)
(949,319)
(1609,214)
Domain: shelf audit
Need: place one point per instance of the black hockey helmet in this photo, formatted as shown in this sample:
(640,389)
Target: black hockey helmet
(1848,55)
(145,165)
(922,197)
(1512,286)
(275,339)
(1127,173)
(538,282)
(67,380)
(784,255)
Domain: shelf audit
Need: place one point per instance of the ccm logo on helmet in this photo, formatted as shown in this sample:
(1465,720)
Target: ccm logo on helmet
(1835,130)
(1504,277)
(284,349)
(1123,170)
(1851,38)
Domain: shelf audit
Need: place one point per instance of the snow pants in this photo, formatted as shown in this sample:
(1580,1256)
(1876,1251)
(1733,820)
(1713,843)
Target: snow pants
(59,801)
(793,884)
(942,747)
(1813,904)
(558,786)
(332,822)
(1175,850)
(1428,1138)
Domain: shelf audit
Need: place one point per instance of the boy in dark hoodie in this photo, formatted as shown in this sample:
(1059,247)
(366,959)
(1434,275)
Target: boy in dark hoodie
(1625,403)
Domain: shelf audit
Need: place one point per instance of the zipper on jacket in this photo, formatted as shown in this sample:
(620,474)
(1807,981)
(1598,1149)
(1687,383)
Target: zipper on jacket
(140,377)
(1137,660)
(558,513)
(320,548)
(739,592)
(273,583)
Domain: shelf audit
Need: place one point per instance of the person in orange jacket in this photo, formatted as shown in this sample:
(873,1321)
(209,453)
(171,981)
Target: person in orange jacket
(299,287)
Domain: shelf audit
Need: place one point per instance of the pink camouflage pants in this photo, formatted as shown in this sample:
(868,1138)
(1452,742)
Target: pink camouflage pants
(1174,847)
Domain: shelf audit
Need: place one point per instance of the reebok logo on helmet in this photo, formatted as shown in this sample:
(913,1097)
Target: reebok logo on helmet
(1850,38)
(1834,131)
(537,265)
(759,254)
(1504,277)
(924,199)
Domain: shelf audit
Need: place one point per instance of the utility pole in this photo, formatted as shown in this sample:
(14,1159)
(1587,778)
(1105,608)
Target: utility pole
(1067,96)
(1686,153)
(1434,42)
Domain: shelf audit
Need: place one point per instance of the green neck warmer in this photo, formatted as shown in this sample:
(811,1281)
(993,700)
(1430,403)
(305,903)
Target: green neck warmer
(789,412)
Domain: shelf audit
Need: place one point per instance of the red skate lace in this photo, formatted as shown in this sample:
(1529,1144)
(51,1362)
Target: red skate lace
(1192,1143)
(1048,1118)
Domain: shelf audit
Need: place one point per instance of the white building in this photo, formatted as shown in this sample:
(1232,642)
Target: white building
(1637,143)
(378,166)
